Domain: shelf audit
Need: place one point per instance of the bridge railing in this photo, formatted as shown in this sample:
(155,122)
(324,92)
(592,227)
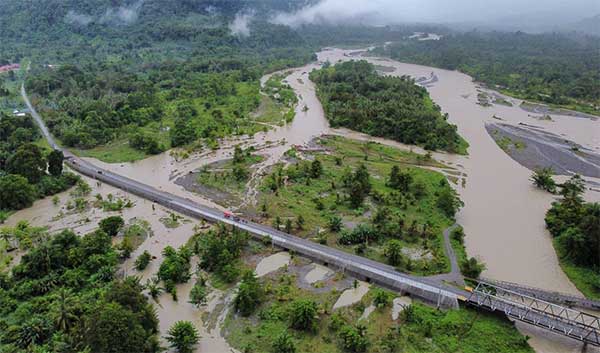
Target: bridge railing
(551,296)
(573,323)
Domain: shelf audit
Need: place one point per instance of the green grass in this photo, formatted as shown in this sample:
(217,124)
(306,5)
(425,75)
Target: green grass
(585,279)
(298,198)
(427,330)
(223,178)
(506,143)
(117,151)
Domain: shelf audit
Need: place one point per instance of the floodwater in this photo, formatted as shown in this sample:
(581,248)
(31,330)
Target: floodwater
(45,213)
(272,263)
(352,295)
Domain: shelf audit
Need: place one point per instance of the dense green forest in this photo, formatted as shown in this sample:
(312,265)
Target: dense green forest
(64,297)
(27,171)
(575,226)
(559,69)
(355,96)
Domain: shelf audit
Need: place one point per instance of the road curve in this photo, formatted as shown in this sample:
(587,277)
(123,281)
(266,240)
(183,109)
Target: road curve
(372,271)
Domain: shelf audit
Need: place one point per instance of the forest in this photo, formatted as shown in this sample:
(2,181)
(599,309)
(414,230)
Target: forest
(27,171)
(64,296)
(559,69)
(355,96)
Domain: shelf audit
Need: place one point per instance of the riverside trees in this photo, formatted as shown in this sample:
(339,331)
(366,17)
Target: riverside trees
(355,96)
(575,225)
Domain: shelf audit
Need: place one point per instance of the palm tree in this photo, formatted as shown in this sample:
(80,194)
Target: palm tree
(183,336)
(153,287)
(64,309)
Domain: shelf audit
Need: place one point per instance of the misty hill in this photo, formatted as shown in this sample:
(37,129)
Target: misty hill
(51,27)
(589,25)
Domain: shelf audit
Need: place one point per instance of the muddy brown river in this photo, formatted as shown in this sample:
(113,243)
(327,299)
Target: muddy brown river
(503,215)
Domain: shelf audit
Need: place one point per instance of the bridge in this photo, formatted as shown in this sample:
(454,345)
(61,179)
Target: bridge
(552,317)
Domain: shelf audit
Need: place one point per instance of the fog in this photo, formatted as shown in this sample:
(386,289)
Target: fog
(241,24)
(440,11)
(113,15)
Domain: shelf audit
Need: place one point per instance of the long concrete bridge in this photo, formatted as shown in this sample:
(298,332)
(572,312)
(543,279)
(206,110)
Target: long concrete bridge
(554,318)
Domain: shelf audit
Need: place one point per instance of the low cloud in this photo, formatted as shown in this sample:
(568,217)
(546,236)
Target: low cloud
(79,19)
(331,12)
(240,26)
(122,15)
(396,11)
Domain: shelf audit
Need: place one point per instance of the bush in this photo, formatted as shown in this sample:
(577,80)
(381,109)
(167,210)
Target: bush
(143,260)
(111,225)
(303,315)
(284,344)
(354,338)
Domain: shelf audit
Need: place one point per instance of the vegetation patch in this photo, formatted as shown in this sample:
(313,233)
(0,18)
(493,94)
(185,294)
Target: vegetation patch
(355,96)
(290,319)
(365,198)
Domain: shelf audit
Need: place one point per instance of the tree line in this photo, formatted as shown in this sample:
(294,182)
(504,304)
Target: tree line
(355,96)
(551,67)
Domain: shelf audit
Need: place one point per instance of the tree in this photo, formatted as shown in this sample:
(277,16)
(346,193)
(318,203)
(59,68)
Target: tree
(55,162)
(15,192)
(249,294)
(112,328)
(175,268)
(142,261)
(542,178)
(153,287)
(183,336)
(284,343)
(471,268)
(449,202)
(303,315)
(238,155)
(182,133)
(28,162)
(111,225)
(399,180)
(316,169)
(393,252)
